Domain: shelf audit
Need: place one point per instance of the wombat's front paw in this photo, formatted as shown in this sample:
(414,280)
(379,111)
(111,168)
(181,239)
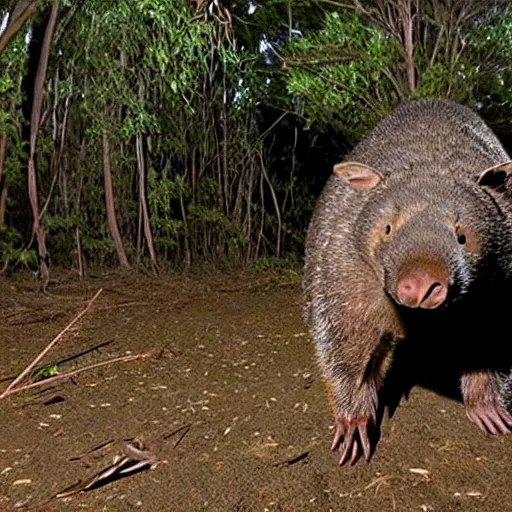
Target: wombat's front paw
(350,435)
(490,417)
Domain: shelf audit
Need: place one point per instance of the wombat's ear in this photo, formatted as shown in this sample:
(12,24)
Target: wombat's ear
(358,175)
(496,177)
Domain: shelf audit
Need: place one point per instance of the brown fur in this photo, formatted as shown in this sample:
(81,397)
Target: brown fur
(377,235)
(475,386)
(415,193)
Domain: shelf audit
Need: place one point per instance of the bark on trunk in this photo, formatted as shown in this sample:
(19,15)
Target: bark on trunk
(3,179)
(22,11)
(144,206)
(407,26)
(109,200)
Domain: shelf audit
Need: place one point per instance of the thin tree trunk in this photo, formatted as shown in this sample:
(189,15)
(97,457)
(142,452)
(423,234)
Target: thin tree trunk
(139,234)
(276,205)
(224,118)
(249,212)
(262,222)
(80,254)
(35,119)
(407,25)
(3,178)
(188,256)
(143,203)
(109,200)
(53,160)
(193,174)
(62,173)
(3,201)
(20,14)
(289,188)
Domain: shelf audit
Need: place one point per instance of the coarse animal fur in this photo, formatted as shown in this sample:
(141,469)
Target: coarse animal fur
(411,242)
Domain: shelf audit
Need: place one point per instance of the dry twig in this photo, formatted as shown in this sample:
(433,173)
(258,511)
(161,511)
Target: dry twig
(30,367)
(67,375)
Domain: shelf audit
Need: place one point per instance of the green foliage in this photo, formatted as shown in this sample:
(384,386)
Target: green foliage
(352,72)
(11,251)
(13,67)
(490,48)
(190,108)
(157,72)
(288,268)
(340,73)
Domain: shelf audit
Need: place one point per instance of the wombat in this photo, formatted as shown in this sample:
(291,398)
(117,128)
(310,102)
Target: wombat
(411,240)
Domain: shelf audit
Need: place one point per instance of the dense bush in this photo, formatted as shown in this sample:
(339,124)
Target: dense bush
(217,123)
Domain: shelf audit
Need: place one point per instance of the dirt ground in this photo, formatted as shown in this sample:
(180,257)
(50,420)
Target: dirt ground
(233,368)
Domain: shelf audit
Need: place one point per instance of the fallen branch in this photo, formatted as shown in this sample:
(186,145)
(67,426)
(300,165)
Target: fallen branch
(137,458)
(67,375)
(92,450)
(83,353)
(293,460)
(30,367)
(186,430)
(179,429)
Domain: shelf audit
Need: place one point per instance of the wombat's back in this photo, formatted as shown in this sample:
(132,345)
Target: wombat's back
(437,134)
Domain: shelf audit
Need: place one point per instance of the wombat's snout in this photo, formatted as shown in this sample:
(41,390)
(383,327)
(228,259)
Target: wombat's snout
(419,288)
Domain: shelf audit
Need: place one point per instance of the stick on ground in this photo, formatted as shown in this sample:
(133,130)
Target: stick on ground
(29,368)
(67,375)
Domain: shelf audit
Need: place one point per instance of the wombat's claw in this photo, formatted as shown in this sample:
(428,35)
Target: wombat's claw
(491,418)
(346,442)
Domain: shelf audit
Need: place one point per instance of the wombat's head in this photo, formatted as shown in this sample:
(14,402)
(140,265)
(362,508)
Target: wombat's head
(428,235)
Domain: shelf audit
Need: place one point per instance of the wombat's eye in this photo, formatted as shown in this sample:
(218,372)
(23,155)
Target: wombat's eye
(387,229)
(461,238)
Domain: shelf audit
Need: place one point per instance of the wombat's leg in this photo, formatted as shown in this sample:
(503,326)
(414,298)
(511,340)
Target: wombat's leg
(355,326)
(480,391)
(351,429)
(352,390)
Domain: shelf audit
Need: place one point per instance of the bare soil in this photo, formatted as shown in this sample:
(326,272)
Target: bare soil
(234,365)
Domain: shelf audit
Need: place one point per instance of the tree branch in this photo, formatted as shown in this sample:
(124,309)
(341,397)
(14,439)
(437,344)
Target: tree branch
(16,23)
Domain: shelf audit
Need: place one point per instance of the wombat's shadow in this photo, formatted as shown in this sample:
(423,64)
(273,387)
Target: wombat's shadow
(411,367)
(435,358)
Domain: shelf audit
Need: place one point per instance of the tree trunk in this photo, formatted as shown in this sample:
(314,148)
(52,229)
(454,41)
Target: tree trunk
(408,42)
(22,10)
(143,203)
(3,179)
(82,267)
(276,205)
(109,200)
(225,135)
(35,119)
(188,255)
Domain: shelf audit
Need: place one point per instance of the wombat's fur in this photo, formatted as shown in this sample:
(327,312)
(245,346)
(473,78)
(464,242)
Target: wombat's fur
(411,239)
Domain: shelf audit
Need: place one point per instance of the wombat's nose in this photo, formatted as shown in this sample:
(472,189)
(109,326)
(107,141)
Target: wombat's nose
(420,289)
